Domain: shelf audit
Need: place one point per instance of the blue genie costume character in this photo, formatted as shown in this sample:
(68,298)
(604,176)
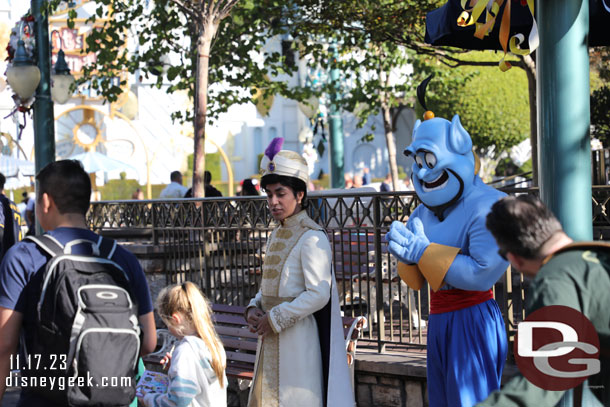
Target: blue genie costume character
(446,243)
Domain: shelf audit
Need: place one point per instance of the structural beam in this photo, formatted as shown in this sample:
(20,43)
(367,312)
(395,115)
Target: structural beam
(564,153)
(336,127)
(44,124)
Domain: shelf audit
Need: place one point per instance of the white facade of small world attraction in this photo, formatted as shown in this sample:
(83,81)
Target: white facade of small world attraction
(139,130)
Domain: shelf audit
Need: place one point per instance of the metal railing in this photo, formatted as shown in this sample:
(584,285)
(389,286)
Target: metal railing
(219,243)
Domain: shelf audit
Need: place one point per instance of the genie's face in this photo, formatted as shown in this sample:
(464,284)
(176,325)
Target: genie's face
(444,164)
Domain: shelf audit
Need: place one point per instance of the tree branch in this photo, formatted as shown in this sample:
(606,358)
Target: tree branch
(182,6)
(227,9)
(451,61)
(212,8)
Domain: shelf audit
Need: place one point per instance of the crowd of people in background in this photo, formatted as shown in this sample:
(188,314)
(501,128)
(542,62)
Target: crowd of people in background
(247,187)
(251,186)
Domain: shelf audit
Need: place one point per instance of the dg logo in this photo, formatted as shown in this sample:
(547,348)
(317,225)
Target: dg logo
(557,348)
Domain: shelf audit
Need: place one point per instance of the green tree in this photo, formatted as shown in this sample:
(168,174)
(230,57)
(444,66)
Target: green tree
(376,78)
(600,114)
(402,22)
(368,88)
(600,95)
(217,42)
(493,105)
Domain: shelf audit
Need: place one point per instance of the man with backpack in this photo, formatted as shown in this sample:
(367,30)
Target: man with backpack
(80,302)
(10,221)
(574,275)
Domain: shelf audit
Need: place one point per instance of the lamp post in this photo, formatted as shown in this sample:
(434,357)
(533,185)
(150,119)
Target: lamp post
(44,129)
(61,80)
(23,75)
(25,78)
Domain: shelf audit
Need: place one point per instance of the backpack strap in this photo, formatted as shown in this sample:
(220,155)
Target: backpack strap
(47,243)
(94,246)
(103,247)
(107,247)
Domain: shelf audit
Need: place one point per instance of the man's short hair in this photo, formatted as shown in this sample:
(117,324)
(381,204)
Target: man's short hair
(2,181)
(207,177)
(175,176)
(68,184)
(522,225)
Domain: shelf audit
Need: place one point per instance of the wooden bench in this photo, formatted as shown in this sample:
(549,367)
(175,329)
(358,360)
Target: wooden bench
(240,344)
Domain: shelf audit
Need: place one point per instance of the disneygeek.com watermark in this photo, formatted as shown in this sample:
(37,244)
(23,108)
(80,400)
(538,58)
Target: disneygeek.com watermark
(557,348)
(61,383)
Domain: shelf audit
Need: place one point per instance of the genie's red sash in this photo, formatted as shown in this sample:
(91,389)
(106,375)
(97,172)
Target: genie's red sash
(452,300)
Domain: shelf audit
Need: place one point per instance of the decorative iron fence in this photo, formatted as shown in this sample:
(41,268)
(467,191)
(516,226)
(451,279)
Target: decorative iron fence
(219,243)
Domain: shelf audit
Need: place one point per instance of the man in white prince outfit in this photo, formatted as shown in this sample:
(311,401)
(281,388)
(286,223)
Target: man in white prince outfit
(301,356)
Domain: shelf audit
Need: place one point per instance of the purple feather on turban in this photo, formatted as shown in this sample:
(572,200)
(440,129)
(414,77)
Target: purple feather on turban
(274,147)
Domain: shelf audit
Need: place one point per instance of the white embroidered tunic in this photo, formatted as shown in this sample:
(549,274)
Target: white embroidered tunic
(296,283)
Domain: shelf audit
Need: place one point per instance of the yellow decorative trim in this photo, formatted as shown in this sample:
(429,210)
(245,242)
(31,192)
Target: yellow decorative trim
(277,247)
(273,260)
(279,321)
(256,390)
(435,263)
(271,273)
(284,234)
(411,275)
(269,305)
(266,386)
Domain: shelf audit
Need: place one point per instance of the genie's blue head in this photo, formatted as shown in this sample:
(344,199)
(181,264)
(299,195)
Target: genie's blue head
(444,163)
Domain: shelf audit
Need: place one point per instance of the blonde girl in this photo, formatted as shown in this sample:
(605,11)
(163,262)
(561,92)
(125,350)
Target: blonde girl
(198,361)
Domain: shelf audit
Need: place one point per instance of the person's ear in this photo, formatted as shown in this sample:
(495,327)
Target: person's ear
(177,318)
(300,196)
(46,202)
(515,260)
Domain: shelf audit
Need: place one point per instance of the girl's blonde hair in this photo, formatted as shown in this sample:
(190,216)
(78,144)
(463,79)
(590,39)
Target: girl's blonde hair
(188,300)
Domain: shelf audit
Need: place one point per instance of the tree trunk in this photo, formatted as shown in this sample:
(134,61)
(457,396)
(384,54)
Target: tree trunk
(204,43)
(530,71)
(391,144)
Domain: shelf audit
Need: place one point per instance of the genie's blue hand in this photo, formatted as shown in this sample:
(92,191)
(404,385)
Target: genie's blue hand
(407,243)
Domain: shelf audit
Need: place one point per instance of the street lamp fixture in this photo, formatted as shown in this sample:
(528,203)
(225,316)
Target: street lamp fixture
(23,75)
(61,80)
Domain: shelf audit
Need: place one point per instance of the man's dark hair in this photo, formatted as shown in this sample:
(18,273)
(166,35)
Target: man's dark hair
(2,181)
(295,184)
(522,225)
(175,176)
(207,177)
(68,184)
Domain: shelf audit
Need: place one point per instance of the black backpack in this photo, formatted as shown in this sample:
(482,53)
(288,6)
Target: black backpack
(87,330)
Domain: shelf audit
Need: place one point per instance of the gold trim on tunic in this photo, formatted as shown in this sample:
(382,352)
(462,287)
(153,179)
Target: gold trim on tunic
(266,384)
